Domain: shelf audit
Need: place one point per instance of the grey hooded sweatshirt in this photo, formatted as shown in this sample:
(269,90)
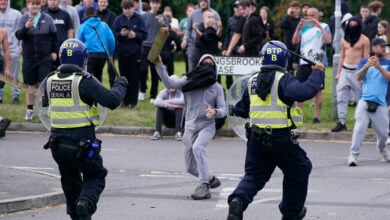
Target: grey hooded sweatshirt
(9,20)
(196,100)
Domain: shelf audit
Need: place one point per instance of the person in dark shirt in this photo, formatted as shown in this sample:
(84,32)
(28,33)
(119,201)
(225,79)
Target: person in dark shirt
(288,25)
(253,32)
(208,34)
(129,30)
(63,24)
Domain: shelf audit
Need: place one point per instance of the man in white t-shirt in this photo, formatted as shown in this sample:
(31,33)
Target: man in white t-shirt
(313,37)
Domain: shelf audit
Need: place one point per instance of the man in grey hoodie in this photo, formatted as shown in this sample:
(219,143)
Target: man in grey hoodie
(8,20)
(195,18)
(204,101)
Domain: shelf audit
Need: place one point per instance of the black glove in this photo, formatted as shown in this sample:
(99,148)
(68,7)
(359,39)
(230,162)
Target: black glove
(231,110)
(122,80)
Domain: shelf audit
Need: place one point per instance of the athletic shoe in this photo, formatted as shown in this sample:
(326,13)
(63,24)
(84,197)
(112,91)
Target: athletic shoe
(316,121)
(156,136)
(133,107)
(236,207)
(178,136)
(152,101)
(29,115)
(385,155)
(214,182)
(141,96)
(352,160)
(339,127)
(201,192)
(388,141)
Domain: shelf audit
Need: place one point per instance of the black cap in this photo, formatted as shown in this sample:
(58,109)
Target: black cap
(236,3)
(307,4)
(379,41)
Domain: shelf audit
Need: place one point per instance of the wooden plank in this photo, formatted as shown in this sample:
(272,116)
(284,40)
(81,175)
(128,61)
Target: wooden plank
(26,88)
(158,44)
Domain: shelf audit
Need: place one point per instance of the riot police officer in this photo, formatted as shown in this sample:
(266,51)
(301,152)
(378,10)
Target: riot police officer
(269,101)
(71,95)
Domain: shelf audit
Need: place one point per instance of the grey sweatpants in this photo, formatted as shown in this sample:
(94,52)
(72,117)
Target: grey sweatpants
(346,85)
(380,121)
(195,143)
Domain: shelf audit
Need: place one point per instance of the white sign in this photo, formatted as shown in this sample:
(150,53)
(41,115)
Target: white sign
(237,65)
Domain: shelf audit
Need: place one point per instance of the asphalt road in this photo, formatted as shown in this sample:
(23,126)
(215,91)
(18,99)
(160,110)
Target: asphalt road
(147,180)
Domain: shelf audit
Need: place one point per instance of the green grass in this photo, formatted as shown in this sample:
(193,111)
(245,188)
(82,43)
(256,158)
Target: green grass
(144,116)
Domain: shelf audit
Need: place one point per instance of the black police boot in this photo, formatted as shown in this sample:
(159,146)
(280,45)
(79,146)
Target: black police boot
(236,209)
(299,216)
(83,210)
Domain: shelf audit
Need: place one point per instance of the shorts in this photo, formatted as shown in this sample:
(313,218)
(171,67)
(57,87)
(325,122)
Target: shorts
(304,72)
(35,70)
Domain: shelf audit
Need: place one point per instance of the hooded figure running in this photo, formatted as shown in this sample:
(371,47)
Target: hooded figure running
(204,101)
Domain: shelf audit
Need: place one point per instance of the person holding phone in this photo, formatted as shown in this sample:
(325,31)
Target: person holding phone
(312,39)
(129,30)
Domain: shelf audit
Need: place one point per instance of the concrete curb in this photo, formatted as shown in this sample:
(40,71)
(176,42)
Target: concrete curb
(224,132)
(31,202)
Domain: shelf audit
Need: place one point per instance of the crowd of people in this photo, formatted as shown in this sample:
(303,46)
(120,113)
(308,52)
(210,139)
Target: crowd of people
(44,35)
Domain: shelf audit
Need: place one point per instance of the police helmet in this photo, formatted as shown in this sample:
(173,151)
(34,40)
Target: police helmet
(73,51)
(274,53)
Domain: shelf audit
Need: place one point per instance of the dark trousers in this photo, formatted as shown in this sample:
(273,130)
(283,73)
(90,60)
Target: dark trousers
(167,58)
(144,74)
(87,186)
(96,63)
(130,67)
(259,166)
(167,116)
(111,73)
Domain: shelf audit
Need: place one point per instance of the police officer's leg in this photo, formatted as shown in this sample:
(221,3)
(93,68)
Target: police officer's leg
(94,174)
(189,159)
(259,167)
(296,167)
(71,181)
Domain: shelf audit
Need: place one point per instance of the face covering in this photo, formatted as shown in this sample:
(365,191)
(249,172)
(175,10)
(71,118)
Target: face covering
(352,33)
(203,75)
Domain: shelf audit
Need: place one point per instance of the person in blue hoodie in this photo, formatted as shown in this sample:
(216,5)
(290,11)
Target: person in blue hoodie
(97,54)
(130,31)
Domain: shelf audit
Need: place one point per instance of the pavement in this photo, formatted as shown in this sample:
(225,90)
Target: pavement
(17,183)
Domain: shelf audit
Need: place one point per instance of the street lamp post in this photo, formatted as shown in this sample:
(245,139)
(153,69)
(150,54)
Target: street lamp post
(336,56)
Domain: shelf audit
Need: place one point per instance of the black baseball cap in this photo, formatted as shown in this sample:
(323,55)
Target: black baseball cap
(379,41)
(236,3)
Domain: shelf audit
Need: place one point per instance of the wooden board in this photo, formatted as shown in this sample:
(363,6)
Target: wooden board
(158,44)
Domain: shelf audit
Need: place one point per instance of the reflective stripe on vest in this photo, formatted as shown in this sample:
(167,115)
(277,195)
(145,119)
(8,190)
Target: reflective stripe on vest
(272,112)
(66,109)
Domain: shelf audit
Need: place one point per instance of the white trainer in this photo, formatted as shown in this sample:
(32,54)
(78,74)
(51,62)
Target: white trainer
(388,140)
(385,155)
(156,136)
(141,96)
(29,115)
(352,160)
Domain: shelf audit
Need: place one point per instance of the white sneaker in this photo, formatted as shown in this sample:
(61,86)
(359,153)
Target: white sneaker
(156,136)
(152,101)
(141,96)
(178,136)
(352,160)
(29,115)
(385,155)
(388,141)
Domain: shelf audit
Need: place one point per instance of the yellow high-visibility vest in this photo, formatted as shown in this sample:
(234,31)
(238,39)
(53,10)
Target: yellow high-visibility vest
(66,109)
(273,112)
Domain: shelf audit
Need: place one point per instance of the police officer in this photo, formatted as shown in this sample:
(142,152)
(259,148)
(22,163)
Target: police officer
(269,103)
(71,95)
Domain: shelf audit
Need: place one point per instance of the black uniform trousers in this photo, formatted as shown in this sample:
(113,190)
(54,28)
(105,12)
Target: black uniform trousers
(259,166)
(81,178)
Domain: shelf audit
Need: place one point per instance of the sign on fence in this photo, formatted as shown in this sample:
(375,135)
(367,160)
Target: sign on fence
(237,65)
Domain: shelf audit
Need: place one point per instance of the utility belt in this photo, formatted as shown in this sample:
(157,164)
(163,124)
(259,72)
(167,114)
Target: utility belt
(88,149)
(265,136)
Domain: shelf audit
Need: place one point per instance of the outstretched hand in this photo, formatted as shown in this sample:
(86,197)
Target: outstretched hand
(158,60)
